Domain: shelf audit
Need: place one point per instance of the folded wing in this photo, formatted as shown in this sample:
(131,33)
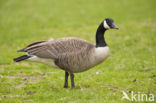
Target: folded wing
(55,49)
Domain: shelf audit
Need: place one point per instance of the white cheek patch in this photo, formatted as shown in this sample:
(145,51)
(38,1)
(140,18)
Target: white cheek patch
(105,25)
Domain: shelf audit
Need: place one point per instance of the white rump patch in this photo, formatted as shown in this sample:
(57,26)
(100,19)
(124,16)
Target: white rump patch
(106,25)
(49,62)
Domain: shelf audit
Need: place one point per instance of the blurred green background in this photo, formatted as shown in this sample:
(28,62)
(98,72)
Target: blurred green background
(130,67)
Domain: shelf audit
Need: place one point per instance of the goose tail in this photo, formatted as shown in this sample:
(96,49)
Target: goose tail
(21,58)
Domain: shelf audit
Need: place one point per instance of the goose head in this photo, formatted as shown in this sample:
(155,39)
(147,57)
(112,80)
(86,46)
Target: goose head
(108,23)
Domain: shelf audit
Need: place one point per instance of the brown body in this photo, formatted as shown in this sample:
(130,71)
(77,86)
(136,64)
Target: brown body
(70,54)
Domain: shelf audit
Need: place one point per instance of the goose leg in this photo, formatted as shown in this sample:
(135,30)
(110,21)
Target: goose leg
(66,80)
(72,80)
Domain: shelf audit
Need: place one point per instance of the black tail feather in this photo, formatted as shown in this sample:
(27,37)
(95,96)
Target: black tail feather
(23,57)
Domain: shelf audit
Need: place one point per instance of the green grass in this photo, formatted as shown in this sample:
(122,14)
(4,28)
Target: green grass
(132,47)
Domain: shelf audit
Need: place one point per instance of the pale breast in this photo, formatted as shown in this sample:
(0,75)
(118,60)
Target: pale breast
(92,59)
(101,53)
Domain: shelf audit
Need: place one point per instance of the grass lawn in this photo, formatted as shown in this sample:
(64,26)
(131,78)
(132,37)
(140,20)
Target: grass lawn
(131,66)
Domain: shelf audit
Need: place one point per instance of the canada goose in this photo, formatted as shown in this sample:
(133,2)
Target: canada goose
(73,55)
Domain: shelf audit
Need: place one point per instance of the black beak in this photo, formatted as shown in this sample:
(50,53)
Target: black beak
(114,27)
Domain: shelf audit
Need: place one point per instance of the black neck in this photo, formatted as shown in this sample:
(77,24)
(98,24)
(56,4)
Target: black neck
(100,40)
